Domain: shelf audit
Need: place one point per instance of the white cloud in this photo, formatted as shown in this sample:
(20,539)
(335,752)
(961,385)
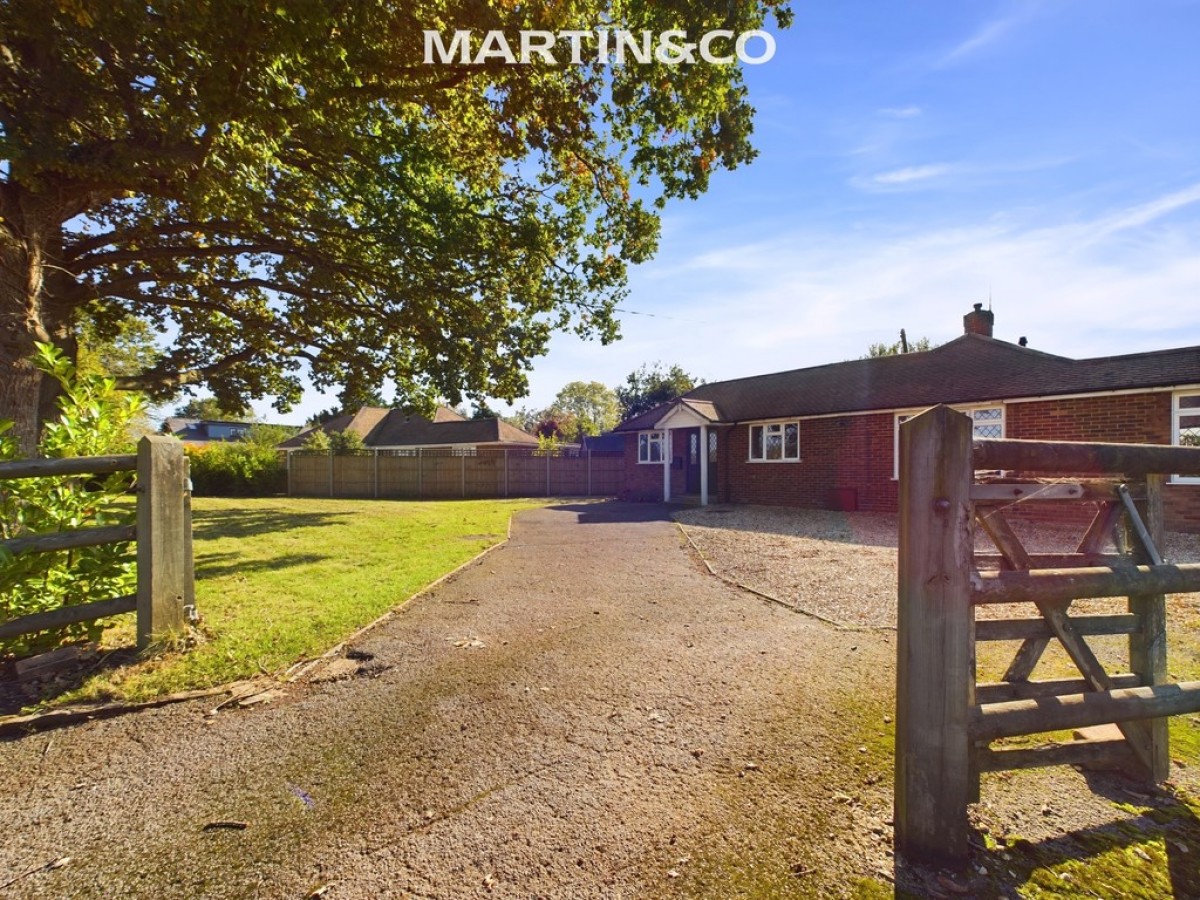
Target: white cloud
(909,174)
(1076,288)
(988,34)
(901,112)
(1145,213)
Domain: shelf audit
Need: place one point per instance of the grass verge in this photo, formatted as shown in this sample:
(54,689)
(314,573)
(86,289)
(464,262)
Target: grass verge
(282,579)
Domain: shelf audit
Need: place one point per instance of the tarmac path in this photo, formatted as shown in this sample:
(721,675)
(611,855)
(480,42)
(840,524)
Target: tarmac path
(585,712)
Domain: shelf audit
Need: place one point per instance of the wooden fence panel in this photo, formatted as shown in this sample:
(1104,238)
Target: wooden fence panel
(568,475)
(607,474)
(453,474)
(399,476)
(485,474)
(310,474)
(527,474)
(354,476)
(441,475)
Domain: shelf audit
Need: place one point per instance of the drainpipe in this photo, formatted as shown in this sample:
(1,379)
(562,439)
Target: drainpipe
(703,456)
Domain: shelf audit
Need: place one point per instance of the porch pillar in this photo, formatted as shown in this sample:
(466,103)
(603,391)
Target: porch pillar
(703,456)
(666,452)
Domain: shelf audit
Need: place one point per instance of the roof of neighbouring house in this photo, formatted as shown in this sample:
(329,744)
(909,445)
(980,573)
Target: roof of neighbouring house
(201,431)
(399,430)
(971,368)
(609,441)
(382,427)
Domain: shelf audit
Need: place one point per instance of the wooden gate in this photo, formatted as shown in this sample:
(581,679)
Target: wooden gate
(945,721)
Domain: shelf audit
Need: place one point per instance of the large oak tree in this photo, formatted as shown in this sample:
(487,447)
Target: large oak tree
(284,189)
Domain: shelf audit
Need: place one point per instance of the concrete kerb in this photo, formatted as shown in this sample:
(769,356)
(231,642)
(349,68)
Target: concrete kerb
(69,715)
(793,607)
(304,667)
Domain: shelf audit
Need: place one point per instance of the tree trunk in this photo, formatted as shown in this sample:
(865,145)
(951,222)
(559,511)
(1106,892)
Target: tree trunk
(30,236)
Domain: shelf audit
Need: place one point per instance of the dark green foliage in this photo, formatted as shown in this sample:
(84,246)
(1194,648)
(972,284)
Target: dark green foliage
(237,469)
(213,409)
(650,386)
(920,345)
(289,193)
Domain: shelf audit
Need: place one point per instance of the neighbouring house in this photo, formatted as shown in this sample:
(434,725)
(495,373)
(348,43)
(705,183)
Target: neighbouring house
(202,432)
(391,429)
(828,436)
(199,432)
(609,442)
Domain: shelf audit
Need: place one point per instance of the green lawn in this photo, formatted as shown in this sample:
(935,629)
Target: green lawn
(281,579)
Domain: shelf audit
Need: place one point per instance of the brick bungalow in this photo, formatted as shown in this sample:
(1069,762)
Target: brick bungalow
(828,436)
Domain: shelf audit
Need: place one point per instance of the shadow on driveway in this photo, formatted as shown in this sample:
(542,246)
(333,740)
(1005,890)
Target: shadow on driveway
(607,512)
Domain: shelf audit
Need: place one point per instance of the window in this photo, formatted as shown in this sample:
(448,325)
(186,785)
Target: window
(1185,426)
(775,442)
(987,422)
(650,447)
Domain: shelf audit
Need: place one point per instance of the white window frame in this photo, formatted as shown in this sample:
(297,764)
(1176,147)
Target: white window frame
(901,417)
(1177,414)
(781,425)
(653,439)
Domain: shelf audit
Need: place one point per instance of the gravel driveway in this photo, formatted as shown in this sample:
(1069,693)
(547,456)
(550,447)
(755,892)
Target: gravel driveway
(584,713)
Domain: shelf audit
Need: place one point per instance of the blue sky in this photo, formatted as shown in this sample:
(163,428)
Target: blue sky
(916,158)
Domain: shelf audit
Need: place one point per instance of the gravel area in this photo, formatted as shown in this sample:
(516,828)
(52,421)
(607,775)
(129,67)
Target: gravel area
(837,566)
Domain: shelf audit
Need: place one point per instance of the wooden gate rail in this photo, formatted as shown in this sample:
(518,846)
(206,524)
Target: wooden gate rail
(165,577)
(945,721)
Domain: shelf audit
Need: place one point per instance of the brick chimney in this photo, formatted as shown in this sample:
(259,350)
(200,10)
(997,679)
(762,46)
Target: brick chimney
(979,321)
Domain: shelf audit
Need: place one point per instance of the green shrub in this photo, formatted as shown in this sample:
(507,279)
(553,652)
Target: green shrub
(340,443)
(237,469)
(95,419)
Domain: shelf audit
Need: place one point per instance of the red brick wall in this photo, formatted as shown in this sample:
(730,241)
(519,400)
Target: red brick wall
(644,481)
(849,452)
(1126,418)
(1181,507)
(857,452)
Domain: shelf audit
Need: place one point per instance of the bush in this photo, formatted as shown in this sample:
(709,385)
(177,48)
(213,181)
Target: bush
(95,419)
(340,443)
(237,469)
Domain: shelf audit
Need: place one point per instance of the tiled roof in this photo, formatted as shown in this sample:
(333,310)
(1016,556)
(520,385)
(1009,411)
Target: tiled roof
(399,430)
(971,368)
(381,427)
(607,442)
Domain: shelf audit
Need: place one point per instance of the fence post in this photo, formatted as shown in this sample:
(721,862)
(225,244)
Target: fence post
(589,472)
(163,563)
(547,473)
(506,473)
(1148,648)
(289,473)
(463,457)
(330,473)
(420,456)
(189,564)
(375,474)
(935,678)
